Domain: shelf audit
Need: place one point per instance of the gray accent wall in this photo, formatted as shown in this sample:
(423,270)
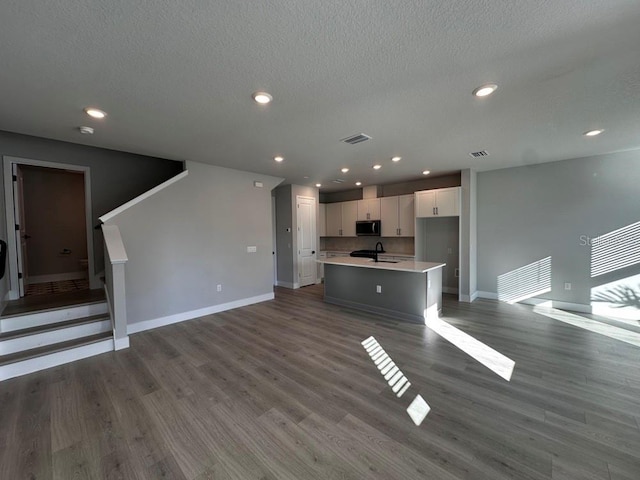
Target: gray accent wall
(531,212)
(116,177)
(193,235)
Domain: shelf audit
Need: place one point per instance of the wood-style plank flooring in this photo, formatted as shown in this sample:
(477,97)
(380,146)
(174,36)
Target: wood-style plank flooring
(284,390)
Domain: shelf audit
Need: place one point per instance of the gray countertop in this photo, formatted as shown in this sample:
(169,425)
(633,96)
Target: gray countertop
(403,266)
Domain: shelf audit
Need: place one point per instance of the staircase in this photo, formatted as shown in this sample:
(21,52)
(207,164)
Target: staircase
(34,341)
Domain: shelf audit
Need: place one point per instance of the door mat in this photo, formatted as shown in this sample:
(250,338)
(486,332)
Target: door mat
(61,286)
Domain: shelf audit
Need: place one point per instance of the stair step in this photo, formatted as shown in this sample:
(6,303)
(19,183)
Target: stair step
(24,321)
(52,333)
(35,359)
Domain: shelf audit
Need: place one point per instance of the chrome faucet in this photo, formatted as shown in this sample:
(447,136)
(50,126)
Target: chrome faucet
(378,251)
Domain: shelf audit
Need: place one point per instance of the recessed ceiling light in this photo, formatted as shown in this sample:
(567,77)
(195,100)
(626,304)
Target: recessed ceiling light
(94,112)
(358,184)
(278,158)
(318,185)
(485,90)
(396,159)
(344,170)
(593,133)
(262,97)
(426,172)
(377,167)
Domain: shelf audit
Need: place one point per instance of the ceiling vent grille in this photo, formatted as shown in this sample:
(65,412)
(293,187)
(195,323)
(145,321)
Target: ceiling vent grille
(359,138)
(338,180)
(481,153)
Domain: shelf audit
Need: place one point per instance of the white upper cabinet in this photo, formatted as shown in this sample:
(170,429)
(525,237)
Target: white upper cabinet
(349,217)
(369,209)
(397,216)
(406,216)
(333,219)
(322,220)
(442,202)
(341,219)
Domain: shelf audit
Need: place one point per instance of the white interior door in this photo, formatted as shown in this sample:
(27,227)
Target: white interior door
(307,270)
(21,233)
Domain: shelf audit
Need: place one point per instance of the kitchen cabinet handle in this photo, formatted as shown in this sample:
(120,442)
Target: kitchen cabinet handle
(399,231)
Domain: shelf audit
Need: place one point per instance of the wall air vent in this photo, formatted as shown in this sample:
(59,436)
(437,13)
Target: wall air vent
(353,139)
(481,153)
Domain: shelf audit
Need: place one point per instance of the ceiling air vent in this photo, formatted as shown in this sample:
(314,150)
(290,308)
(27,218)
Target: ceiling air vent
(338,180)
(481,153)
(359,138)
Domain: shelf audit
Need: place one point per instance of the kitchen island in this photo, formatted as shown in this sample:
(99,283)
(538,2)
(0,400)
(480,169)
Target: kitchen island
(406,290)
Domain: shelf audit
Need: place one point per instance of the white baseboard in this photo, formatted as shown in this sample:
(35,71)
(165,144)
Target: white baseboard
(56,277)
(573,307)
(181,317)
(487,295)
(287,284)
(474,296)
(464,298)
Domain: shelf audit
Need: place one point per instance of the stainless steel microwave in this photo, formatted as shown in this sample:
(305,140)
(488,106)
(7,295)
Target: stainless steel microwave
(368,227)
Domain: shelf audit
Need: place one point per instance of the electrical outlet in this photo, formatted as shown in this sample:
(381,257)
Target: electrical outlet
(378,288)
(456,273)
(567,286)
(219,288)
(252,249)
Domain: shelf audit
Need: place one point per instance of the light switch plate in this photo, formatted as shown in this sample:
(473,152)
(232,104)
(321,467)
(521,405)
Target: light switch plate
(252,249)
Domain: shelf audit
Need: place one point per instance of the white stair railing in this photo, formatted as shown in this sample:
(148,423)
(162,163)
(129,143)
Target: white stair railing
(115,260)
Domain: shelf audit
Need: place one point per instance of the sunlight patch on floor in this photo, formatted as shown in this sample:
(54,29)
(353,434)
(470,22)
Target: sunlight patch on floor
(594,326)
(399,384)
(490,358)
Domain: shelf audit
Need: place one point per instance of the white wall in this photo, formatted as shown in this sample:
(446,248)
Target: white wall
(190,237)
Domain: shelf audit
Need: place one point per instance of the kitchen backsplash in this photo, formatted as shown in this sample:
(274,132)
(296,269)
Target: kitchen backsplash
(403,245)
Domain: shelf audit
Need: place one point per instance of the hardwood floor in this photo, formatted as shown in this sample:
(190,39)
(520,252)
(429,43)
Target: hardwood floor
(285,390)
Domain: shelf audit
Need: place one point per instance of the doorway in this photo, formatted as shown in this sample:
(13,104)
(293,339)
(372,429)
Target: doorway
(48,206)
(306,223)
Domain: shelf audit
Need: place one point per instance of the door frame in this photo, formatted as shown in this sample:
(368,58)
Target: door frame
(314,225)
(12,255)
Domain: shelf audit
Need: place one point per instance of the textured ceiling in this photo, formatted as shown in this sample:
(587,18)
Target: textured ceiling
(176,79)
